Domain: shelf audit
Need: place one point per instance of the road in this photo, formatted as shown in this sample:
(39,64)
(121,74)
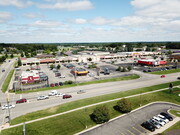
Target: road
(130,124)
(8,66)
(91,91)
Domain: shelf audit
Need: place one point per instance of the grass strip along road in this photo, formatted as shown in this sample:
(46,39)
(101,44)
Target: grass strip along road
(130,77)
(166,72)
(7,81)
(73,122)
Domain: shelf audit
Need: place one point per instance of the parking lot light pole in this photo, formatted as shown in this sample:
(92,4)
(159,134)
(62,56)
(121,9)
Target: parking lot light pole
(9,117)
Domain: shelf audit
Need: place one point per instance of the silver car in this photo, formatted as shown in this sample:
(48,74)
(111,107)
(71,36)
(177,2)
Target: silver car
(42,97)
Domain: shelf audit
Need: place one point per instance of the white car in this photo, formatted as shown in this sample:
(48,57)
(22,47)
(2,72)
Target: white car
(163,118)
(158,120)
(53,93)
(156,124)
(42,97)
(62,76)
(59,94)
(6,107)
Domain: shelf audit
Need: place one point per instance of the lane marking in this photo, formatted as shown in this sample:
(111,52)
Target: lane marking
(137,130)
(130,132)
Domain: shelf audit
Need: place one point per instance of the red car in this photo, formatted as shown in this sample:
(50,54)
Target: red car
(163,76)
(23,100)
(67,96)
(52,85)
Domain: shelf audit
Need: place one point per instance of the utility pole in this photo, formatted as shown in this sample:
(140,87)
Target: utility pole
(24,128)
(9,117)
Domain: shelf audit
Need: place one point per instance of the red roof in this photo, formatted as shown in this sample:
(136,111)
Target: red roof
(23,58)
(47,60)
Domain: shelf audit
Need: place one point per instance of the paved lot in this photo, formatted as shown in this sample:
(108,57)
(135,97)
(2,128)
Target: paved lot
(130,123)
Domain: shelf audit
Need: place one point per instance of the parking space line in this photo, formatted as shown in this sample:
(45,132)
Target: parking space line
(146,131)
(130,132)
(137,130)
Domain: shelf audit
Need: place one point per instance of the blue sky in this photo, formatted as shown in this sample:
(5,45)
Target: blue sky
(53,21)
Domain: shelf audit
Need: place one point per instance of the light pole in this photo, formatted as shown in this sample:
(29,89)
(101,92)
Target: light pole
(9,117)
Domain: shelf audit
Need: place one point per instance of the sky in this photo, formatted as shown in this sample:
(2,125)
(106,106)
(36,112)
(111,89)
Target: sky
(68,21)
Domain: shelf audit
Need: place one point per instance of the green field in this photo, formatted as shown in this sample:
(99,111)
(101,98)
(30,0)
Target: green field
(77,121)
(84,102)
(177,113)
(7,81)
(165,72)
(130,77)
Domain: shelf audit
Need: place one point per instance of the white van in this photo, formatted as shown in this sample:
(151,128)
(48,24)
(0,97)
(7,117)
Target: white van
(53,93)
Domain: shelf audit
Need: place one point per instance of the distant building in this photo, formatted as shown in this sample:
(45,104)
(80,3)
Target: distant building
(151,62)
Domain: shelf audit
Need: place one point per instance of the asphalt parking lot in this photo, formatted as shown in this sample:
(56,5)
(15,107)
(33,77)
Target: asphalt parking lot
(130,124)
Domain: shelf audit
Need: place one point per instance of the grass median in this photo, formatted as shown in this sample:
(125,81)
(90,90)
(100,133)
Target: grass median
(166,72)
(79,103)
(130,77)
(7,81)
(77,121)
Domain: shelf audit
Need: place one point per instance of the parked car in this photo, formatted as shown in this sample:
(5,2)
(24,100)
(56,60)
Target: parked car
(106,71)
(52,85)
(42,97)
(67,96)
(158,120)
(62,76)
(178,78)
(3,70)
(8,106)
(169,117)
(156,124)
(56,84)
(81,91)
(23,100)
(53,93)
(148,126)
(59,94)
(163,76)
(163,118)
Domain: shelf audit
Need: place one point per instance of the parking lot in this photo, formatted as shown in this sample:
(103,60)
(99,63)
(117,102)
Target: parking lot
(130,124)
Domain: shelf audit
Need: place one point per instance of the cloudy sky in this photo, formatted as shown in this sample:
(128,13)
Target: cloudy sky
(58,21)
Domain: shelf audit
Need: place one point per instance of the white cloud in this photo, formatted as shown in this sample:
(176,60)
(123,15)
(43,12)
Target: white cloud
(33,15)
(80,21)
(5,16)
(68,5)
(46,24)
(101,21)
(16,3)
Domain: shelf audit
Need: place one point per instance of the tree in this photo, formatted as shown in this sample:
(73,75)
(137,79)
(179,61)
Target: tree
(22,55)
(58,66)
(19,62)
(129,68)
(170,87)
(124,105)
(6,55)
(52,66)
(12,56)
(100,115)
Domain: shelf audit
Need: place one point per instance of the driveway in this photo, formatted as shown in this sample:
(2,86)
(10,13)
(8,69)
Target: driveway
(130,124)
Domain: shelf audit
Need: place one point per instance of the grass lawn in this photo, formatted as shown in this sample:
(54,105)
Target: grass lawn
(7,81)
(84,102)
(130,77)
(74,122)
(166,72)
(177,113)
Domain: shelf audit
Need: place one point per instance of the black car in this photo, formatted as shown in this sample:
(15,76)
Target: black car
(169,117)
(178,78)
(148,126)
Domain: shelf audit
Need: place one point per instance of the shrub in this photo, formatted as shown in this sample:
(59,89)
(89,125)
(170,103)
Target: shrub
(124,105)
(100,115)
(68,82)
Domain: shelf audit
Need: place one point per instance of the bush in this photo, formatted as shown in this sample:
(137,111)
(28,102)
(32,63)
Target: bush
(68,82)
(124,105)
(100,115)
